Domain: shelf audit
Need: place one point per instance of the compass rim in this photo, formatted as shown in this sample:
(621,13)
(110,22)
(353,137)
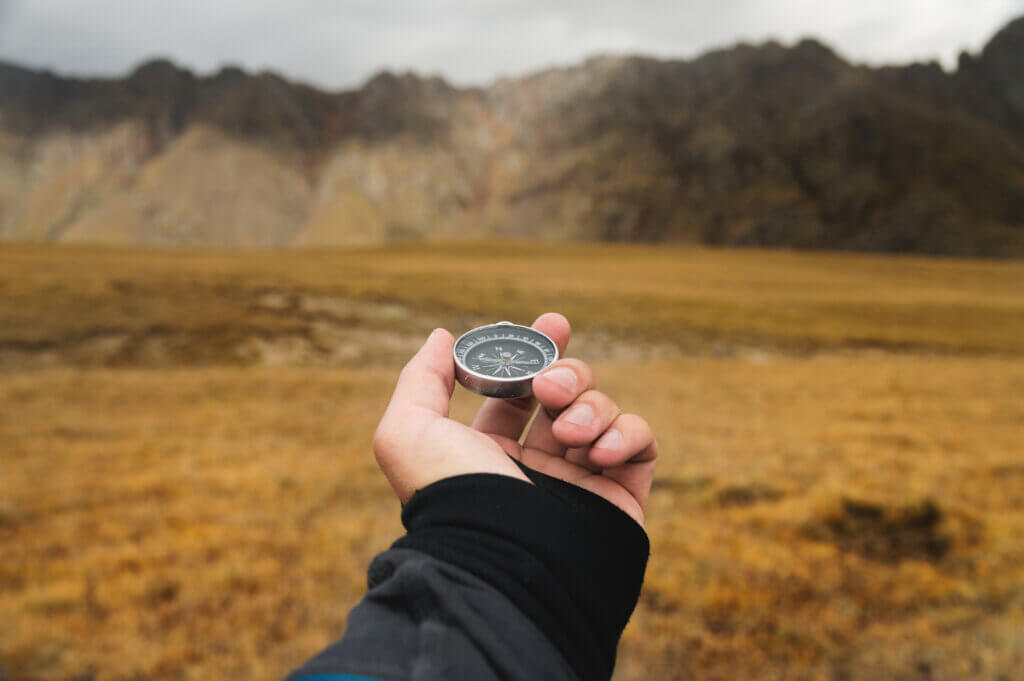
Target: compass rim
(504,379)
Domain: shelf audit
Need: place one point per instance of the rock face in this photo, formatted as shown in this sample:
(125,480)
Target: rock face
(753,145)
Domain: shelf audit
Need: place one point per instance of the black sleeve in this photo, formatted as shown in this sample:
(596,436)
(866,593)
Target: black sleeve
(496,578)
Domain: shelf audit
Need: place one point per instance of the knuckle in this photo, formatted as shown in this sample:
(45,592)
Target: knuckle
(447,378)
(584,370)
(604,407)
(602,401)
(638,423)
(638,426)
(641,429)
(408,369)
(580,367)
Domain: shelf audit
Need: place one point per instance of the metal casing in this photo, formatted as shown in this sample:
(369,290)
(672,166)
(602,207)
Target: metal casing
(494,386)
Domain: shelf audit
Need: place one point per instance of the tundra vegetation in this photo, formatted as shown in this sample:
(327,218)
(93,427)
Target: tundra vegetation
(187,489)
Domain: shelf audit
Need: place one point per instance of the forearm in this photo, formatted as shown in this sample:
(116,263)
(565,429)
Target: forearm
(496,578)
(424,618)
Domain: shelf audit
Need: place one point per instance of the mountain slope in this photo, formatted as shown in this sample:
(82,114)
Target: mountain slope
(752,145)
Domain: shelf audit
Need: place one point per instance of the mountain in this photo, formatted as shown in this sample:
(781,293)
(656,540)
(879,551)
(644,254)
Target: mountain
(766,145)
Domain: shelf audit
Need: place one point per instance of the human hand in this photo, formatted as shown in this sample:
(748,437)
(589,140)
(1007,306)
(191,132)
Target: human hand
(579,436)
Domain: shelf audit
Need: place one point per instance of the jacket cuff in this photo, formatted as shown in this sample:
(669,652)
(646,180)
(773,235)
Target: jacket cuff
(567,558)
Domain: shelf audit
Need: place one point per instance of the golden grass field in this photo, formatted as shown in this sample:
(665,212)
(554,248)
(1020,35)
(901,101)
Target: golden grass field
(187,489)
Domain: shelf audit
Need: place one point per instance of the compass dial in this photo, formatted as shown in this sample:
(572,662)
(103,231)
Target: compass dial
(501,359)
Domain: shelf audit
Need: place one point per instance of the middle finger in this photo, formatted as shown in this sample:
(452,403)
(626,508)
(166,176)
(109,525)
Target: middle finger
(556,388)
(585,419)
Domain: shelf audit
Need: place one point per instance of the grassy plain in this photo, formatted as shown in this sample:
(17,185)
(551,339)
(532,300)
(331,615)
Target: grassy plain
(187,489)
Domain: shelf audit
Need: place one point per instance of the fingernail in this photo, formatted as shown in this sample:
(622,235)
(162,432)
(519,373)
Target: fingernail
(563,376)
(612,439)
(581,415)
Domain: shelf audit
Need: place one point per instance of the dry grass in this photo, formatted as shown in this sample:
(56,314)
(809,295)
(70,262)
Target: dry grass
(838,515)
(209,303)
(184,524)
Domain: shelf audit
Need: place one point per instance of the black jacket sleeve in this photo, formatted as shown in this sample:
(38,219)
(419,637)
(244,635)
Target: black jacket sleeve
(496,578)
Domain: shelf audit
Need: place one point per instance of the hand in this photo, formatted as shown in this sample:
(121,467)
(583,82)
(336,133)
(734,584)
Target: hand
(580,436)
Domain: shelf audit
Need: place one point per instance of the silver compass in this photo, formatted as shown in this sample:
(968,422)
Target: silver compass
(500,360)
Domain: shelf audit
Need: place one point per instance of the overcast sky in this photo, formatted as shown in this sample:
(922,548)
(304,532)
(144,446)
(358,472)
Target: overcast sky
(338,44)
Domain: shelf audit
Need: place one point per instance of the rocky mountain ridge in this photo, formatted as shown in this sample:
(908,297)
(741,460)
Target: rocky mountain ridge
(766,145)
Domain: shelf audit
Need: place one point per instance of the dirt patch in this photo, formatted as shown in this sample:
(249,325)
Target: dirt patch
(747,495)
(326,344)
(680,483)
(339,308)
(891,533)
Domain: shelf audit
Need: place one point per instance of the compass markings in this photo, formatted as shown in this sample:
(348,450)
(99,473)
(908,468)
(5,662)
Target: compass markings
(512,358)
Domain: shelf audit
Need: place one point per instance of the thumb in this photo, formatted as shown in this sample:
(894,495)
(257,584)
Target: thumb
(425,385)
(415,443)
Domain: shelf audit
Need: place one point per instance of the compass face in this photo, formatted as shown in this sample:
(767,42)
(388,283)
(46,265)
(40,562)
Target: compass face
(505,351)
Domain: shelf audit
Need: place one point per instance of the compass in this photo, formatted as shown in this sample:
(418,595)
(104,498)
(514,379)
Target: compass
(500,360)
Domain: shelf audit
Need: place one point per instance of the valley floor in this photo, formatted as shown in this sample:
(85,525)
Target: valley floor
(840,495)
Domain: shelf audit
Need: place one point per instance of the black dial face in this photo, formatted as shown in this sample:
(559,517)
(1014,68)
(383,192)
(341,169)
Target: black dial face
(505,351)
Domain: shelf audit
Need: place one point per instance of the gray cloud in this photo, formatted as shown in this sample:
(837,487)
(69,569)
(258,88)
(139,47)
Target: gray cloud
(339,44)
